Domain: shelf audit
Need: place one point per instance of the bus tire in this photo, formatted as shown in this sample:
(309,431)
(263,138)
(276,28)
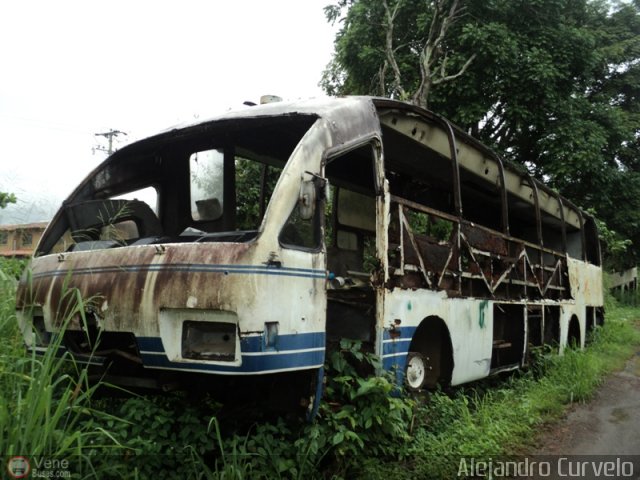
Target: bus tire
(415,372)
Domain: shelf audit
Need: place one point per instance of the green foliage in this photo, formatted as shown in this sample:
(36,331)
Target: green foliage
(363,411)
(248,175)
(611,240)
(614,247)
(8,325)
(363,430)
(166,434)
(437,228)
(46,407)
(13,267)
(359,416)
(49,409)
(206,176)
(626,298)
(248,187)
(271,450)
(555,86)
(6,199)
(486,423)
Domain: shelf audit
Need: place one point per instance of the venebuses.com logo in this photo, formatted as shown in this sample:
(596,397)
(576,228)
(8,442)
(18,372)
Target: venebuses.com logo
(18,467)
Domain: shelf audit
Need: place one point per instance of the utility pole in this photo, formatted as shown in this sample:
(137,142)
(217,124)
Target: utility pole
(108,135)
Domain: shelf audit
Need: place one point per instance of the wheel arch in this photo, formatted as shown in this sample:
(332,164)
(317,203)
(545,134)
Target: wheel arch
(432,339)
(574,332)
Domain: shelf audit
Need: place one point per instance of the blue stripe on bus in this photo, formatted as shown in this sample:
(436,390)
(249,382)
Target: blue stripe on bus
(191,268)
(398,343)
(153,354)
(393,356)
(253,343)
(405,332)
(300,341)
(395,349)
(279,358)
(250,364)
(396,365)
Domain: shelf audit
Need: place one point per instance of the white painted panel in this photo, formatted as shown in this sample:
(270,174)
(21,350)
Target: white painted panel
(471,328)
(586,282)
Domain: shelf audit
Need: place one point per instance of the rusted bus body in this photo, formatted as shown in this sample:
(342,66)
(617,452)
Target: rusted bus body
(251,243)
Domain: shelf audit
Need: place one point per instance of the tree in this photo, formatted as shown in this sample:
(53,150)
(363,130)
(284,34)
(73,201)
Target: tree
(432,52)
(6,199)
(397,59)
(553,85)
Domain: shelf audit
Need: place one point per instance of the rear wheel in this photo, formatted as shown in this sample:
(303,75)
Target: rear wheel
(416,371)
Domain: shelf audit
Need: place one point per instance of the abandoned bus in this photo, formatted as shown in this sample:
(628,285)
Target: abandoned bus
(245,246)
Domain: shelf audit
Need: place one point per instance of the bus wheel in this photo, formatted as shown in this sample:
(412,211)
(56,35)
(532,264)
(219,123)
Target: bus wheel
(416,371)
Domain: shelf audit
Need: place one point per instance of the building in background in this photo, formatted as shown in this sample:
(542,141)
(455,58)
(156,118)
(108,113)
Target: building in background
(20,240)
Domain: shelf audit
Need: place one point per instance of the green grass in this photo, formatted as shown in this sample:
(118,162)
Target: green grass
(47,407)
(503,420)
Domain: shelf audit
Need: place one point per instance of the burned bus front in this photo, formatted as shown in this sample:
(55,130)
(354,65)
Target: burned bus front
(197,251)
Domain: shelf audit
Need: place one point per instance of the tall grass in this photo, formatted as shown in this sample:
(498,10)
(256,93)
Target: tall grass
(483,421)
(46,402)
(503,420)
(630,298)
(47,408)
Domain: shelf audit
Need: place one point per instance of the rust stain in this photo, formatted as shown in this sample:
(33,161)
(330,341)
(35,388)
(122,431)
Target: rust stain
(119,278)
(483,240)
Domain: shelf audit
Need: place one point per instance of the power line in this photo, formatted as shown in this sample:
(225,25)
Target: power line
(44,124)
(108,135)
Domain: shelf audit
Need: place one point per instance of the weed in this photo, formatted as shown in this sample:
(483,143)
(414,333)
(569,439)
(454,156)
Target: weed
(486,423)
(12,268)
(359,417)
(46,408)
(364,429)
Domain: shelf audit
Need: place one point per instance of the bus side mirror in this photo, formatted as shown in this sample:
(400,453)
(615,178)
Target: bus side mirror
(209,209)
(307,199)
(311,191)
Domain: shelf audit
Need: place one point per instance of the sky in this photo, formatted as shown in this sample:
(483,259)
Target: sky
(71,69)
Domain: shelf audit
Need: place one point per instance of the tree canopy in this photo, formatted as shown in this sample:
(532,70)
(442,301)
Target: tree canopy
(6,199)
(551,84)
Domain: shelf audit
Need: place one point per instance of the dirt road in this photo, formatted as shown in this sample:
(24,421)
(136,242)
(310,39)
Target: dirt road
(606,428)
(608,425)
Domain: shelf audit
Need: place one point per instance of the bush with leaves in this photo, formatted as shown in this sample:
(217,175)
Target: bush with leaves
(13,267)
(363,412)
(359,416)
(165,435)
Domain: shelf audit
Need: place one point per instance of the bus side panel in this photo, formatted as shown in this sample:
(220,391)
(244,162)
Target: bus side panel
(586,282)
(470,324)
(409,307)
(570,311)
(471,327)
